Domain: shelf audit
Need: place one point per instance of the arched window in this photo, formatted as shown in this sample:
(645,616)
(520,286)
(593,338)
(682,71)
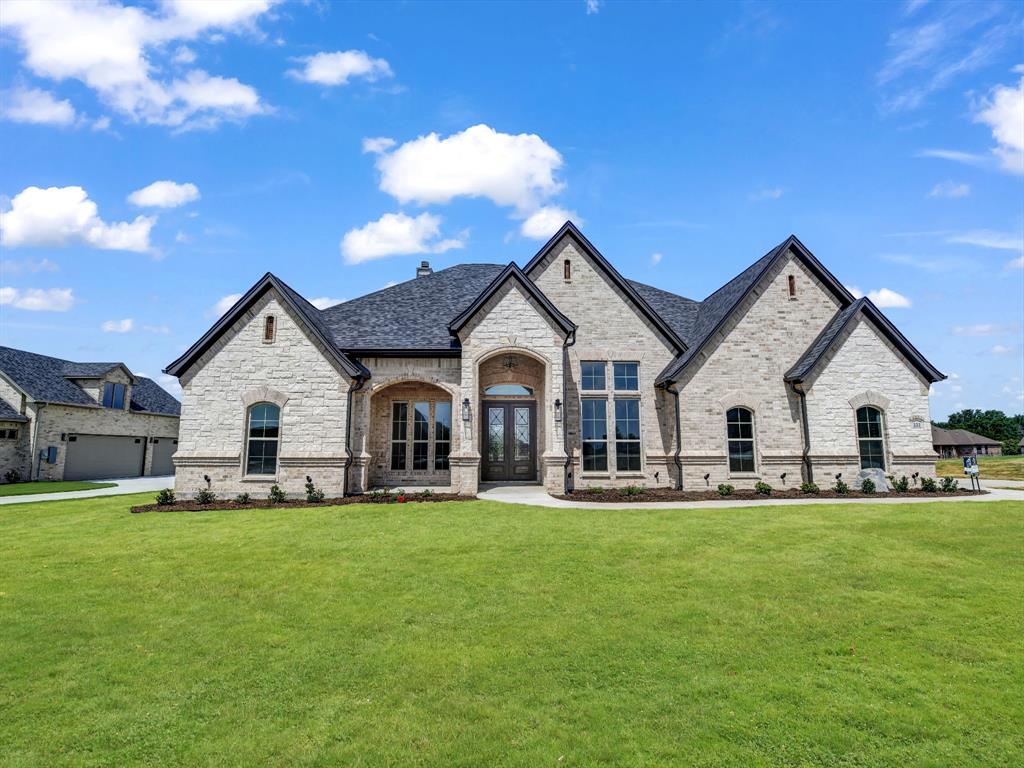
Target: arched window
(269,328)
(740,432)
(869,438)
(506,390)
(567,270)
(263,435)
(792,287)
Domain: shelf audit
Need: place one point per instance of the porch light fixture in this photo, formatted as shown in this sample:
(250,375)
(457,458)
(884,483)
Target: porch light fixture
(558,409)
(467,414)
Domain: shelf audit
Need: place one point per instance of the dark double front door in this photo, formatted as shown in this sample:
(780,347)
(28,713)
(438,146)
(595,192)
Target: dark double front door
(509,440)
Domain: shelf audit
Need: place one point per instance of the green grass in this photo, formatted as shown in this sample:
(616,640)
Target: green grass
(989,467)
(477,634)
(48,486)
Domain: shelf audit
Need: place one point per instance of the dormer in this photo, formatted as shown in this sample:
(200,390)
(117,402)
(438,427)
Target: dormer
(108,384)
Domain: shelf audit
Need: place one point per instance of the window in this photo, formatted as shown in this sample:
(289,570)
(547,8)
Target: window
(420,435)
(792,287)
(504,390)
(8,434)
(595,436)
(592,375)
(442,435)
(627,435)
(869,438)
(113,395)
(399,433)
(567,270)
(740,431)
(268,328)
(627,376)
(264,432)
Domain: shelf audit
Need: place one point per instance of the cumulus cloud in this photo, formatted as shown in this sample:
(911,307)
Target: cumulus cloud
(544,222)
(884,298)
(164,194)
(38,299)
(339,67)
(950,189)
(1003,112)
(118,326)
(36,106)
(116,51)
(59,216)
(377,145)
(323,302)
(395,234)
(516,170)
(223,305)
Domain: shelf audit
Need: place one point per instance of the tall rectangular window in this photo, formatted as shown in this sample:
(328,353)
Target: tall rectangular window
(627,435)
(442,435)
(595,435)
(113,395)
(869,438)
(739,424)
(399,433)
(420,435)
(627,377)
(592,375)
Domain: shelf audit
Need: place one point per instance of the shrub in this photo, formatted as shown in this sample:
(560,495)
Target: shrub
(426,493)
(928,485)
(595,489)
(724,489)
(762,488)
(12,476)
(634,490)
(276,495)
(809,488)
(313,494)
(205,496)
(401,498)
(165,497)
(841,487)
(868,485)
(243,498)
(949,485)
(900,486)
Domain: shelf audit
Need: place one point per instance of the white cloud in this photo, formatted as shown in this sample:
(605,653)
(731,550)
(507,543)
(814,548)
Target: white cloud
(774,193)
(510,170)
(223,305)
(171,384)
(882,297)
(101,123)
(117,50)
(184,55)
(158,329)
(1003,112)
(980,329)
(1003,349)
(656,258)
(1017,263)
(32,105)
(377,145)
(965,158)
(950,189)
(38,299)
(396,234)
(181,237)
(544,222)
(11,267)
(987,238)
(593,6)
(338,67)
(323,302)
(59,216)
(164,194)
(118,326)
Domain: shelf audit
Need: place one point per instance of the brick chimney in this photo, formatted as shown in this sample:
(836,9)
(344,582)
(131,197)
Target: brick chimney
(424,269)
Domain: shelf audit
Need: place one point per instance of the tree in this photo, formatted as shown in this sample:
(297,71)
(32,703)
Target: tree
(992,424)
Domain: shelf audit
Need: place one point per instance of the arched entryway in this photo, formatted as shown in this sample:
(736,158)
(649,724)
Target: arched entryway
(411,437)
(512,428)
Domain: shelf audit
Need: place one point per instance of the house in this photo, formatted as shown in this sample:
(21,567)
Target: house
(61,420)
(561,372)
(950,443)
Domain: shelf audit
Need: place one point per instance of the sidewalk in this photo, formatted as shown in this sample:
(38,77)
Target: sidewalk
(124,485)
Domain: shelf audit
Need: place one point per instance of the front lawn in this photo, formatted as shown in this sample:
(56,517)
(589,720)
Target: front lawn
(48,486)
(989,467)
(480,634)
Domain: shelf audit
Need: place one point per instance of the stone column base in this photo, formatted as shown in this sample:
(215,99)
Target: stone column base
(359,473)
(553,473)
(465,474)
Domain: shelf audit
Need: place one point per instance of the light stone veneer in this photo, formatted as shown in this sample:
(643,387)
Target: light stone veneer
(240,369)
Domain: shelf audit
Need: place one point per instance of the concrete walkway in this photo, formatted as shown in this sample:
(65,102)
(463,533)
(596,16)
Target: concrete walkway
(536,496)
(124,485)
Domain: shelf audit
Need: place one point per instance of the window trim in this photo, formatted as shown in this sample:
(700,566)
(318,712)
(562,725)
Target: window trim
(604,376)
(410,441)
(584,441)
(753,471)
(639,433)
(249,440)
(615,386)
(880,439)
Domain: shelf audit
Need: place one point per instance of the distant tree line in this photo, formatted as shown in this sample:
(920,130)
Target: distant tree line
(995,425)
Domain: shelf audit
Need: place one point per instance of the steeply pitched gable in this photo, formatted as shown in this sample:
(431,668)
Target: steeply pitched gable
(514,274)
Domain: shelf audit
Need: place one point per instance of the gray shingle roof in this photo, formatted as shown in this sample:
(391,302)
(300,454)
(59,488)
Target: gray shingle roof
(942,436)
(679,312)
(9,413)
(821,344)
(88,370)
(44,378)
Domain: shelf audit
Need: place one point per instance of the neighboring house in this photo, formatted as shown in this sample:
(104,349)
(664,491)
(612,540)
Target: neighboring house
(561,372)
(90,420)
(950,443)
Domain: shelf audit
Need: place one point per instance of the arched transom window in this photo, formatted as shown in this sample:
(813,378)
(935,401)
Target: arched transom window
(869,438)
(740,431)
(262,437)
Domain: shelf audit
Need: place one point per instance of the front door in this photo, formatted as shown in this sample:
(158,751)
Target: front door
(509,440)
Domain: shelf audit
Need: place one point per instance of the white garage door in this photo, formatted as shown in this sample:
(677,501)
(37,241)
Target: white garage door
(98,456)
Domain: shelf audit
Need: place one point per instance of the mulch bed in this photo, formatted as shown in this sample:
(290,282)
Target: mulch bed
(615,495)
(219,505)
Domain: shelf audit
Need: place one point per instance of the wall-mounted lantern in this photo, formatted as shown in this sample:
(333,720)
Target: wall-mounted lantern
(558,409)
(467,414)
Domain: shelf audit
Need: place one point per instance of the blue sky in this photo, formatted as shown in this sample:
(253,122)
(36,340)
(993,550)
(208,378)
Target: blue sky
(338,145)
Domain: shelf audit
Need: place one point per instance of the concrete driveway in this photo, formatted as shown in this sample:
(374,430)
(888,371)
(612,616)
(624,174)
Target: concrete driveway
(124,485)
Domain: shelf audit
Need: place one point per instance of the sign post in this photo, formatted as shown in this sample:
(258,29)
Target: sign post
(971,470)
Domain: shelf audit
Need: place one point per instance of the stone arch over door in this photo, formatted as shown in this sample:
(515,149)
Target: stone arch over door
(513,365)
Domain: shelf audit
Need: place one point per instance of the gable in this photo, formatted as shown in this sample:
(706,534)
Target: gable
(513,276)
(511,315)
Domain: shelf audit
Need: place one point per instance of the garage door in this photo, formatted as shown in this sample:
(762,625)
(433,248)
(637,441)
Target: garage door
(96,456)
(163,448)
